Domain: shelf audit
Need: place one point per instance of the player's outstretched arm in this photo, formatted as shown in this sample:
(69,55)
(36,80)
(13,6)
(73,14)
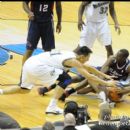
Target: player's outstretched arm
(93,70)
(91,78)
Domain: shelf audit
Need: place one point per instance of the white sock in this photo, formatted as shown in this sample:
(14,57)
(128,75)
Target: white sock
(53,102)
(102,95)
(1,91)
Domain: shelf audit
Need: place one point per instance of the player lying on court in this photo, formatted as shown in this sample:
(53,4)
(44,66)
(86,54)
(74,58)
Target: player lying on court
(117,66)
(49,67)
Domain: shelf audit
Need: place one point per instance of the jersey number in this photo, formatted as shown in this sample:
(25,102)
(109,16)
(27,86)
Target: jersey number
(43,8)
(103,10)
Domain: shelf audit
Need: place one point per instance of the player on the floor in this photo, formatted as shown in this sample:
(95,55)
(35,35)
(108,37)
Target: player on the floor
(117,66)
(49,67)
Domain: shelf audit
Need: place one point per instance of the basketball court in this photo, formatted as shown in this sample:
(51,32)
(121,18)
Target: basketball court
(29,108)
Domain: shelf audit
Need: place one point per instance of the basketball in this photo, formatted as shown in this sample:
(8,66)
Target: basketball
(113,94)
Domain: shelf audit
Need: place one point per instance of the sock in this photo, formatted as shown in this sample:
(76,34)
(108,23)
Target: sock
(1,91)
(102,96)
(51,87)
(53,102)
(72,90)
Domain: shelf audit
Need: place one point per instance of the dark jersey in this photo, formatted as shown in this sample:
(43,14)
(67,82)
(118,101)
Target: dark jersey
(119,72)
(43,10)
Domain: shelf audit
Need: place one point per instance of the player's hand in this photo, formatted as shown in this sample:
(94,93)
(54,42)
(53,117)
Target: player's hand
(58,27)
(117,28)
(80,25)
(31,15)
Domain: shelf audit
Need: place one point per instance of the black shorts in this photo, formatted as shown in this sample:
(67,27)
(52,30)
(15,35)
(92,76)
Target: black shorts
(43,30)
(64,80)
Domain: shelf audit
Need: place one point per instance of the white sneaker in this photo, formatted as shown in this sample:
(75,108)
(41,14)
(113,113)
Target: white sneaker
(1,91)
(112,104)
(54,110)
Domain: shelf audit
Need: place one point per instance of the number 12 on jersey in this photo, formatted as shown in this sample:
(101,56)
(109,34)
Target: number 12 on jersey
(43,8)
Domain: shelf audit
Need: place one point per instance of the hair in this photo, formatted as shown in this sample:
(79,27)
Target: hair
(69,120)
(48,126)
(124,127)
(124,122)
(71,107)
(124,52)
(83,51)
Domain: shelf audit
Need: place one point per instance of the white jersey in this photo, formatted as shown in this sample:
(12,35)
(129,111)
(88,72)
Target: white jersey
(55,59)
(97,11)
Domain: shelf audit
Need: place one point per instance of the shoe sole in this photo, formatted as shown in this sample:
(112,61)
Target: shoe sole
(53,113)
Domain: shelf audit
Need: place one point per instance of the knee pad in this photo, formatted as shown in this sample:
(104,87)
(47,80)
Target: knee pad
(64,80)
(65,83)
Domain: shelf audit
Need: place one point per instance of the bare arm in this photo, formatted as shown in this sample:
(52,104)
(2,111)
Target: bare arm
(96,72)
(106,65)
(114,17)
(27,10)
(128,78)
(127,81)
(91,78)
(80,14)
(59,16)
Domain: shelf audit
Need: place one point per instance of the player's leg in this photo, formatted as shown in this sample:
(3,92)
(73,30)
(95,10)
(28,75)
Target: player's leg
(32,39)
(104,37)
(47,36)
(10,90)
(25,85)
(67,93)
(43,90)
(26,55)
(85,90)
(88,35)
(64,80)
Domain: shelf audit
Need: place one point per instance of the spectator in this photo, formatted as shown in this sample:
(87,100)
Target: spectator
(105,114)
(7,122)
(25,128)
(48,126)
(124,123)
(69,122)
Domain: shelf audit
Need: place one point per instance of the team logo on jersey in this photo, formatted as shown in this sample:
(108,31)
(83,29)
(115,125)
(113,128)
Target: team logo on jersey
(100,4)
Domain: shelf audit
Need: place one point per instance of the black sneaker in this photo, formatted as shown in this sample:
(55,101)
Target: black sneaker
(42,90)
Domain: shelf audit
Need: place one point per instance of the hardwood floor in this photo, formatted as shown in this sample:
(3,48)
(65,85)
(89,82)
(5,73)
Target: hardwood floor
(28,108)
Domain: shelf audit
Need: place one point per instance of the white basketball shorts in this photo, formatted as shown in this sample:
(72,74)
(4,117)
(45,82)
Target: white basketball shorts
(93,30)
(46,75)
